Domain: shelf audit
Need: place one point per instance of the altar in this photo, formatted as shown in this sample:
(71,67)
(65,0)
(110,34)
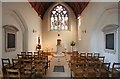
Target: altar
(58,52)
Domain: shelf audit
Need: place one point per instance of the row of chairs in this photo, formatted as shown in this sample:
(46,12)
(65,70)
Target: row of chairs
(90,69)
(35,56)
(91,65)
(96,70)
(27,64)
(26,68)
(30,53)
(76,53)
(87,57)
(6,69)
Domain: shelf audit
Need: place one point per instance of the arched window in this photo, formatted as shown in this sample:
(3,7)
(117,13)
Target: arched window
(59,18)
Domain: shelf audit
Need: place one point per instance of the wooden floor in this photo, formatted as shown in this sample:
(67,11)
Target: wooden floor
(59,61)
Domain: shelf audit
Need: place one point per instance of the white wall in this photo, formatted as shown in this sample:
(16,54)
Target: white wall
(119,39)
(119,32)
(96,16)
(30,20)
(50,37)
(0,36)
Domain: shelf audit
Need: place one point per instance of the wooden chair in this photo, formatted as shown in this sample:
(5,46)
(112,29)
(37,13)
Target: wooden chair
(101,58)
(41,64)
(104,70)
(28,68)
(83,56)
(90,71)
(36,53)
(79,70)
(73,68)
(89,54)
(36,57)
(73,59)
(29,57)
(20,56)
(91,65)
(40,69)
(16,63)
(13,73)
(23,53)
(96,56)
(29,53)
(5,65)
(45,60)
(89,57)
(116,70)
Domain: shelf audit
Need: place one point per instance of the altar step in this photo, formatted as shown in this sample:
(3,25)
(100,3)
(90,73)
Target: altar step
(59,55)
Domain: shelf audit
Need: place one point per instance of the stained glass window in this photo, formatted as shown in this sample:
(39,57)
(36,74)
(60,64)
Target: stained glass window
(59,18)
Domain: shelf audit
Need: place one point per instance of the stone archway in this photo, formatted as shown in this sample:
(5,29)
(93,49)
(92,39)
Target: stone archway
(25,30)
(20,20)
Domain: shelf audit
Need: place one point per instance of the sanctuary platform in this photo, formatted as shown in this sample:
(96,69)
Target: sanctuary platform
(59,55)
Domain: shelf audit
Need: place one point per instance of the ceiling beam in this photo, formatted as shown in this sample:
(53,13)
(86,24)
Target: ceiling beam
(41,7)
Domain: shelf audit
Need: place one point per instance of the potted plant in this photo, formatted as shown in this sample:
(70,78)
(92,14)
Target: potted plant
(72,44)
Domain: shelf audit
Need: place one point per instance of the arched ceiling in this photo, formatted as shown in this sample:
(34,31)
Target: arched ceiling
(41,7)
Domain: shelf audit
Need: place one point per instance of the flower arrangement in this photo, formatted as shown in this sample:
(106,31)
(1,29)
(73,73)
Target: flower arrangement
(72,43)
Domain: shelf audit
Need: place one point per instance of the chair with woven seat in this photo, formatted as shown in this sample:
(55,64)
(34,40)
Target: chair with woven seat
(5,65)
(104,70)
(36,57)
(20,56)
(101,58)
(90,71)
(40,69)
(96,56)
(29,57)
(16,63)
(23,53)
(116,70)
(29,53)
(89,56)
(80,69)
(83,56)
(28,68)
(36,53)
(13,73)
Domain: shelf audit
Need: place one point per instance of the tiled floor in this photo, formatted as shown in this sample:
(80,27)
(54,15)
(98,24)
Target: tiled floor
(59,61)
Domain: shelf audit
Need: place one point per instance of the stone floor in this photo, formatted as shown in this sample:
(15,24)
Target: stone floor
(59,61)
